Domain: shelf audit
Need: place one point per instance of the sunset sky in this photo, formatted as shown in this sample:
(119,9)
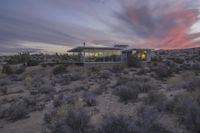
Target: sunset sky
(57,25)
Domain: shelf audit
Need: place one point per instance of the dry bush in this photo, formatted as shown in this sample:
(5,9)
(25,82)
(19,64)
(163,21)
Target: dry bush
(105,74)
(117,68)
(147,122)
(163,71)
(44,89)
(116,124)
(142,86)
(4,82)
(186,107)
(67,121)
(3,90)
(17,110)
(126,93)
(158,99)
(90,99)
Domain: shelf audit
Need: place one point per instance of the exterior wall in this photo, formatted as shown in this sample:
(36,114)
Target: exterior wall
(93,55)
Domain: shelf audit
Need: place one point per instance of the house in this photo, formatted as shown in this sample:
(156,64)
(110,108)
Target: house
(116,54)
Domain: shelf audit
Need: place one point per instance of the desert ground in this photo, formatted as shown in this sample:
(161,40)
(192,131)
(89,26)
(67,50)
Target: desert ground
(160,96)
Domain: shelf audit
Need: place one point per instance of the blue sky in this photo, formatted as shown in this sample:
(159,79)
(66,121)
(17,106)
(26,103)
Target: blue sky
(57,25)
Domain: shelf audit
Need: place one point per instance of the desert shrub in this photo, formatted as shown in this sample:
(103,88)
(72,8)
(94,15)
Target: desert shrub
(117,68)
(58,101)
(163,71)
(191,85)
(133,61)
(156,59)
(44,89)
(191,117)
(4,90)
(90,99)
(61,79)
(7,70)
(122,81)
(175,105)
(76,76)
(32,62)
(43,65)
(32,104)
(105,74)
(142,86)
(147,121)
(75,121)
(185,66)
(157,99)
(3,111)
(94,69)
(23,57)
(99,90)
(196,67)
(178,60)
(17,110)
(20,70)
(142,71)
(188,111)
(4,82)
(59,69)
(126,93)
(116,124)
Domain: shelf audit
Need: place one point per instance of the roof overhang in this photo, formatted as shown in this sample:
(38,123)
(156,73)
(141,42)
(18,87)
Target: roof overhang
(80,49)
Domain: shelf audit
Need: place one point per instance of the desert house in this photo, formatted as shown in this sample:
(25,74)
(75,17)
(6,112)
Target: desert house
(116,54)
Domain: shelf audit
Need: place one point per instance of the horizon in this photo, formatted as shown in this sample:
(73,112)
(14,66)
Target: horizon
(56,26)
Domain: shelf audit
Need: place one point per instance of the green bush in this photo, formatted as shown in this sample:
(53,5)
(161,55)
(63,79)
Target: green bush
(59,69)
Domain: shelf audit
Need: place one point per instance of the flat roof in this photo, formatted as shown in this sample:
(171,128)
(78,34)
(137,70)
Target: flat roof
(79,49)
(126,50)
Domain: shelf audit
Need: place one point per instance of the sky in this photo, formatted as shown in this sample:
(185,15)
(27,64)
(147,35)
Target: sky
(51,26)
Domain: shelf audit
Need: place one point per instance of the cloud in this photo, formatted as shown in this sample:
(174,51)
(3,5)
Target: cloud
(165,24)
(139,23)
